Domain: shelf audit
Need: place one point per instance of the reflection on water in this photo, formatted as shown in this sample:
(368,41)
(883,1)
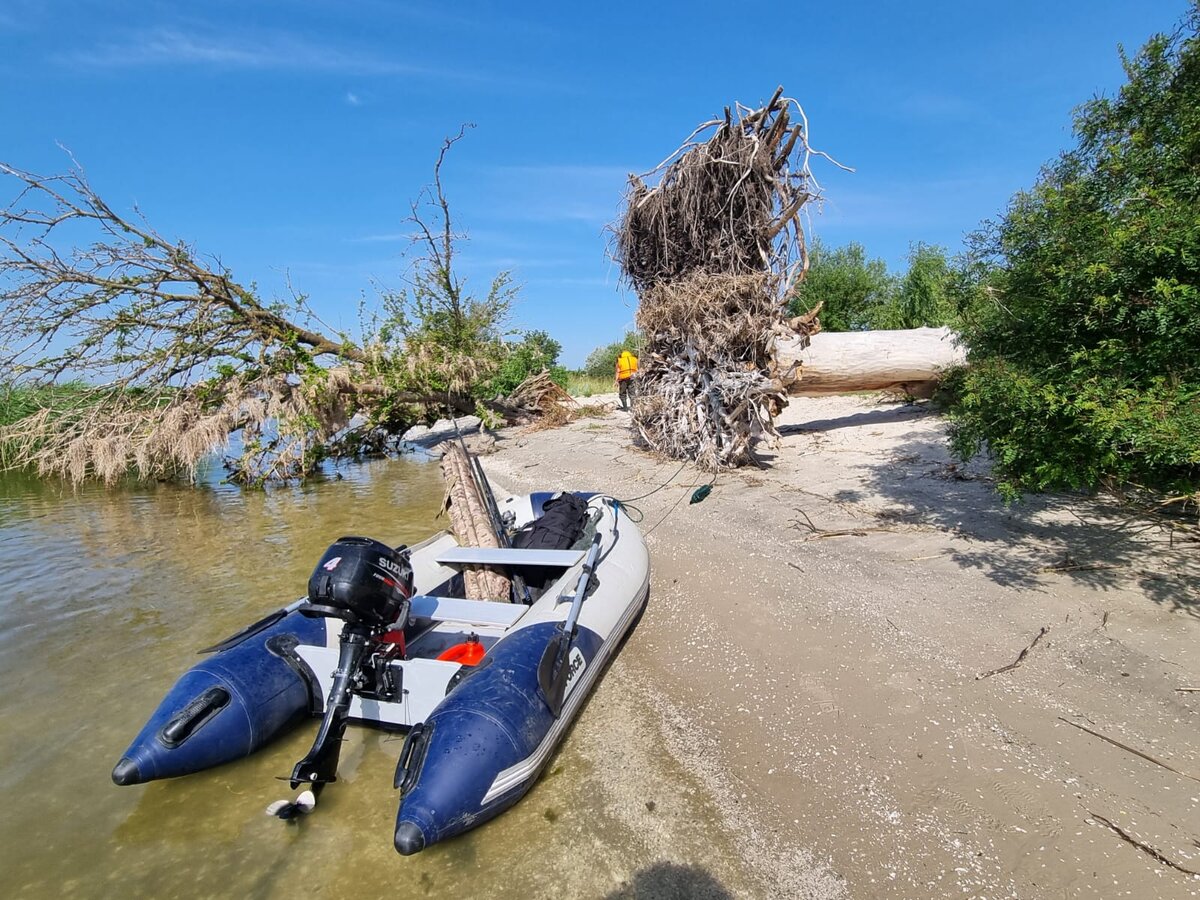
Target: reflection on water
(107,596)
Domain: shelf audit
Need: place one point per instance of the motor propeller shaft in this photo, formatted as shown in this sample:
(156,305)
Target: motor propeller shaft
(320,765)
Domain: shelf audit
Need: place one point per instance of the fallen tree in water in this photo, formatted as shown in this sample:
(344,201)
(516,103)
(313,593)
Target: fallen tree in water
(713,248)
(171,356)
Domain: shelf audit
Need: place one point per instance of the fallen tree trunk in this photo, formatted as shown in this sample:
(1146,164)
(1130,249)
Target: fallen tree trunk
(911,360)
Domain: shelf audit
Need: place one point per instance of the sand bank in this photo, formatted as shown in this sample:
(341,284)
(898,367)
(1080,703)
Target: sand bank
(812,657)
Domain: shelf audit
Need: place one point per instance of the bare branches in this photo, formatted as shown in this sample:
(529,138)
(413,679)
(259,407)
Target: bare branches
(168,356)
(450,339)
(729,205)
(1020,657)
(128,308)
(170,353)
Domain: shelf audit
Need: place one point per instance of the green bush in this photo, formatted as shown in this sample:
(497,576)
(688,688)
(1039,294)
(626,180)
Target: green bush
(536,351)
(922,298)
(851,287)
(859,293)
(1081,305)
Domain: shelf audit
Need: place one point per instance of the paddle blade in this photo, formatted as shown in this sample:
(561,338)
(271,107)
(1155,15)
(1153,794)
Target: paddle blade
(554,673)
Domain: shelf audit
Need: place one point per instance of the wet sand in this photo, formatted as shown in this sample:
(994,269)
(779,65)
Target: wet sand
(811,658)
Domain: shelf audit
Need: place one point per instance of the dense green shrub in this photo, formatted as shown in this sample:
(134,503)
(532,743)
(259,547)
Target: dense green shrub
(851,287)
(922,297)
(1081,304)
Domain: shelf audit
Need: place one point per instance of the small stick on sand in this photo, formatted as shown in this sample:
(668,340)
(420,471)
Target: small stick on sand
(1081,567)
(1020,659)
(1128,749)
(1145,848)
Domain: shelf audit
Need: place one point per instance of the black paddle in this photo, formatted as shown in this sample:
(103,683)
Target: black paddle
(554,671)
(250,630)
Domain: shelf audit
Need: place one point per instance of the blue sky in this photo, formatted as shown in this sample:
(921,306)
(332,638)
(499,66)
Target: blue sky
(288,137)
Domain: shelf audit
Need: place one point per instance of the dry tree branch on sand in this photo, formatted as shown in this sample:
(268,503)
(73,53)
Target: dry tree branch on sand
(714,249)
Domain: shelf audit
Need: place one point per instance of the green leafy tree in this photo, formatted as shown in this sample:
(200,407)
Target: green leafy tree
(1082,303)
(922,298)
(533,353)
(602,362)
(851,286)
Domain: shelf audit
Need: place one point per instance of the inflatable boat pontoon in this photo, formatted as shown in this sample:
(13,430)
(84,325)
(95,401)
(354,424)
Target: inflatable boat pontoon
(485,690)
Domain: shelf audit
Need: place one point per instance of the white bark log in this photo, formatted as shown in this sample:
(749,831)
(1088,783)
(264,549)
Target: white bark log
(838,362)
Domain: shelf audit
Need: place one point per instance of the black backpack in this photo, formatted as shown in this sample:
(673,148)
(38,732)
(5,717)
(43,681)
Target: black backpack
(563,520)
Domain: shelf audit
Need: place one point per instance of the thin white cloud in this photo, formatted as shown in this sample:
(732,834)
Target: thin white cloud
(555,192)
(391,237)
(565,171)
(577,282)
(927,105)
(202,46)
(176,46)
(353,99)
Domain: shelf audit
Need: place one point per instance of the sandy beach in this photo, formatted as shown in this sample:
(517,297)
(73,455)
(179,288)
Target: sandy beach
(817,667)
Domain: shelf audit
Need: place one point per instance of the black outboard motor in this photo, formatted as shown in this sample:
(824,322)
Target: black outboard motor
(360,580)
(366,584)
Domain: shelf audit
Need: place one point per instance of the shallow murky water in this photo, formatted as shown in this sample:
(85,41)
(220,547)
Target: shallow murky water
(106,597)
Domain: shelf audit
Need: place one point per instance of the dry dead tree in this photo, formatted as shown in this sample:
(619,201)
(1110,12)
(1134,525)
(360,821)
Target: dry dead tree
(471,525)
(170,353)
(714,249)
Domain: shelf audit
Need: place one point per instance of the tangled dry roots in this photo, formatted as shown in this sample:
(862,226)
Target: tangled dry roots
(714,250)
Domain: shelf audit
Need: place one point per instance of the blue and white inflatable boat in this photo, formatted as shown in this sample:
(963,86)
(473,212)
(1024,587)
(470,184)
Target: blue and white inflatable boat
(485,690)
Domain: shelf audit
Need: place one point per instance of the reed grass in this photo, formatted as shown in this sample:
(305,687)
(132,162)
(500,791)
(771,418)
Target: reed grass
(580,384)
(20,400)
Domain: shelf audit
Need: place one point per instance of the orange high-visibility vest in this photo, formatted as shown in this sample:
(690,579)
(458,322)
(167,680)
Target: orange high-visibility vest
(626,365)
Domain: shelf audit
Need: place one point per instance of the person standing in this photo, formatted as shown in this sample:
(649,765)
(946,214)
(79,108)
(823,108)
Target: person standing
(627,366)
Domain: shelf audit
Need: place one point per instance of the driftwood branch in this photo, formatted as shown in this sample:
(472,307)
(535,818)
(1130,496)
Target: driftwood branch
(472,526)
(1020,657)
(1141,845)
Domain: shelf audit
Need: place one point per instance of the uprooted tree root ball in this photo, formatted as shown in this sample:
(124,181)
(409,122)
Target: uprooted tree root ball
(709,386)
(714,249)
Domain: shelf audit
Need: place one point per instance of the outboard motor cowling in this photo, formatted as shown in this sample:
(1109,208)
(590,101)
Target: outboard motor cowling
(362,581)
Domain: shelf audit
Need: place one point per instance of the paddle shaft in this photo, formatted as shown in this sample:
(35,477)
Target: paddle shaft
(585,578)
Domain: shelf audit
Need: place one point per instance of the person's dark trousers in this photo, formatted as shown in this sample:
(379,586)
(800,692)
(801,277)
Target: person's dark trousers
(625,388)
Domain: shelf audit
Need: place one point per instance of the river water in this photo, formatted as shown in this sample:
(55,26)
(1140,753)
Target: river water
(106,596)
